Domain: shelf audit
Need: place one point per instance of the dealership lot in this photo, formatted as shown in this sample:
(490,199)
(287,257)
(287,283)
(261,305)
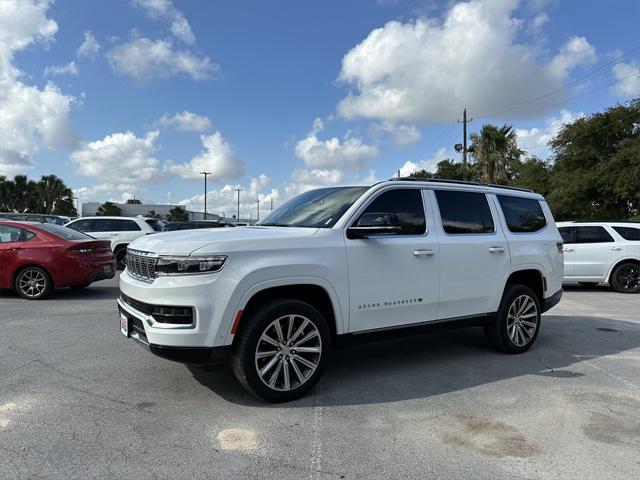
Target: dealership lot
(78,400)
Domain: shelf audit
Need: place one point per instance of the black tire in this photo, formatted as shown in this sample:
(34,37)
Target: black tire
(588,284)
(249,339)
(498,331)
(121,258)
(625,278)
(33,283)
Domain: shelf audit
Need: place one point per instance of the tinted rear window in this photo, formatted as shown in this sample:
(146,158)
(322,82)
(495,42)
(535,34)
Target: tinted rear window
(156,225)
(464,212)
(592,235)
(628,233)
(115,225)
(567,234)
(522,214)
(63,232)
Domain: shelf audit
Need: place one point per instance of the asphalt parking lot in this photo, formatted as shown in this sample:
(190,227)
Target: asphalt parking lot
(78,400)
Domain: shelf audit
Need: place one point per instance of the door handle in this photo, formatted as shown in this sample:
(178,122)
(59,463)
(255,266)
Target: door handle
(617,249)
(496,249)
(567,249)
(423,253)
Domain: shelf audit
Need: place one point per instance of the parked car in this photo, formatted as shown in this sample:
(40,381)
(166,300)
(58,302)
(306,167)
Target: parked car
(35,259)
(191,225)
(602,252)
(120,231)
(343,264)
(35,218)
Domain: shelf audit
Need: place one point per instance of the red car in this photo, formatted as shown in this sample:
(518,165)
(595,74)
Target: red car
(36,258)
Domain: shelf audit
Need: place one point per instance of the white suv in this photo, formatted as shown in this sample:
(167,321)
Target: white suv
(121,231)
(342,264)
(597,252)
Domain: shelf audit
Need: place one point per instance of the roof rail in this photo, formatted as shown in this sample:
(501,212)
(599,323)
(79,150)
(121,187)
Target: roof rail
(461,182)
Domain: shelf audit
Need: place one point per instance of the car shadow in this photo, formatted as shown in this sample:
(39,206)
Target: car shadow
(443,362)
(95,291)
(574,287)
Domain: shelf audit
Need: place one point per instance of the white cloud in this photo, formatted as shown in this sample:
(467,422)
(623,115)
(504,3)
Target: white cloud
(427,69)
(539,21)
(303,180)
(429,164)
(332,153)
(185,121)
(89,47)
(217,157)
(165,11)
(106,192)
(69,69)
(31,118)
(628,76)
(401,134)
(144,59)
(534,141)
(577,51)
(119,156)
(224,200)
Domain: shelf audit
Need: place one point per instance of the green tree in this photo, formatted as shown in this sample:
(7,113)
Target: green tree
(178,214)
(450,170)
(596,172)
(153,214)
(48,195)
(496,152)
(532,173)
(134,201)
(109,209)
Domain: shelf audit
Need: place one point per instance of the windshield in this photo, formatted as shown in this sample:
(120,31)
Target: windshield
(319,208)
(63,232)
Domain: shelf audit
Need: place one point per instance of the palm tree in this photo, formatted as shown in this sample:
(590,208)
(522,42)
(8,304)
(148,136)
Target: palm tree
(52,193)
(109,209)
(495,151)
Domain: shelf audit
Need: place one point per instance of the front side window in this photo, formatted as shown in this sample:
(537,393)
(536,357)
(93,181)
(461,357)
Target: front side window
(400,207)
(116,225)
(567,234)
(523,215)
(320,208)
(156,225)
(628,233)
(464,212)
(9,234)
(81,225)
(592,235)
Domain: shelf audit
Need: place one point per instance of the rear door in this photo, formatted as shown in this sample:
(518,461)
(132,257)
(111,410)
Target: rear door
(474,255)
(11,249)
(568,249)
(393,278)
(595,251)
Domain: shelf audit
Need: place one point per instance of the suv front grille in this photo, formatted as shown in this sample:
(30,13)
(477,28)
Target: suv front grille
(162,313)
(141,265)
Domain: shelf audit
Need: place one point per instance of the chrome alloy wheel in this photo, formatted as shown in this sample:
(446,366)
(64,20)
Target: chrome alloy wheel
(522,320)
(32,283)
(288,352)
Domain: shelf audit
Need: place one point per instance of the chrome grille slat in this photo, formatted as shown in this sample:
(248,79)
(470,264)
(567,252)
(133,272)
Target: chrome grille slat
(141,265)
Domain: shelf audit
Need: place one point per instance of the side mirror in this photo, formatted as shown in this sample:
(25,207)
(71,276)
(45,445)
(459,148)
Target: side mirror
(378,223)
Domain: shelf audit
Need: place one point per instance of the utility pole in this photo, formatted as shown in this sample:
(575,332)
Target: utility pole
(258,217)
(205,193)
(238,190)
(464,139)
(272,204)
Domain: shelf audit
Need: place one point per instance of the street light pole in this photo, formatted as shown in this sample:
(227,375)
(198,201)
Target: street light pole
(258,219)
(205,193)
(238,190)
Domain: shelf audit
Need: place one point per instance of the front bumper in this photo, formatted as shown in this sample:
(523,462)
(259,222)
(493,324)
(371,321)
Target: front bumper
(552,301)
(187,355)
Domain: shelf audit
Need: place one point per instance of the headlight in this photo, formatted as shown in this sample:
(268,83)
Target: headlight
(189,265)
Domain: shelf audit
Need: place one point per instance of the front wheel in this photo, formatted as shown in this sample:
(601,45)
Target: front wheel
(282,350)
(625,278)
(33,283)
(517,321)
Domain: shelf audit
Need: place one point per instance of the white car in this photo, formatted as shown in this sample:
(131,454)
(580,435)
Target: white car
(121,231)
(344,264)
(602,252)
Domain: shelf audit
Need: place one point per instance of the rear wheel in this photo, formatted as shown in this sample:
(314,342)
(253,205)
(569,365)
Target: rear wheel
(517,321)
(588,284)
(33,283)
(282,350)
(121,258)
(625,278)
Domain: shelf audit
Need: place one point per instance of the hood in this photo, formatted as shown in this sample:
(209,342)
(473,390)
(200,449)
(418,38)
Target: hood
(185,242)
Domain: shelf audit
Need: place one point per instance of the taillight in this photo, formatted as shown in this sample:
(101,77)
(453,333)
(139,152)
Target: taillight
(80,250)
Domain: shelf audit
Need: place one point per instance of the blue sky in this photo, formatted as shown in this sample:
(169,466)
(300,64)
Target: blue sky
(279,97)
